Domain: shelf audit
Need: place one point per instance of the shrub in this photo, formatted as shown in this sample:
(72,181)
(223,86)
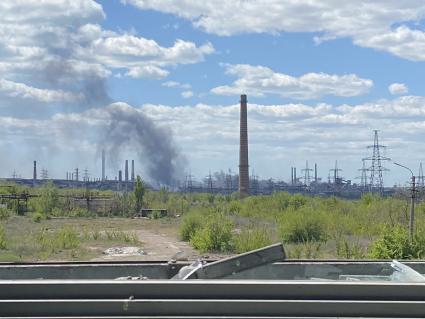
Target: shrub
(300,227)
(3,244)
(4,213)
(394,243)
(215,236)
(190,224)
(252,238)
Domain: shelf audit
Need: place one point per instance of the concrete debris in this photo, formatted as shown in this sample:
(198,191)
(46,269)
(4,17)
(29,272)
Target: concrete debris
(124,251)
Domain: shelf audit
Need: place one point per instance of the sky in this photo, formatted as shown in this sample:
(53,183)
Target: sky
(160,82)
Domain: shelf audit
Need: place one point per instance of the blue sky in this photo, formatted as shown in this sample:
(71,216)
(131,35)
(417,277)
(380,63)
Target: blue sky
(320,77)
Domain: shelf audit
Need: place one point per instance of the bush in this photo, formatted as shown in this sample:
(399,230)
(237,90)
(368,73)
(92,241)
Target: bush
(4,213)
(3,244)
(215,236)
(300,227)
(252,238)
(191,223)
(394,244)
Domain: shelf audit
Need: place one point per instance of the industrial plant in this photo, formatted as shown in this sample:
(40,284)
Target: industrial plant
(305,180)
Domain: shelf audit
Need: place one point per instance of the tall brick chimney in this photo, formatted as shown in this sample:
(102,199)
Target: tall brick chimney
(243,150)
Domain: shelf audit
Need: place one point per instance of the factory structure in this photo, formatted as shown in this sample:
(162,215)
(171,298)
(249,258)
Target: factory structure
(305,180)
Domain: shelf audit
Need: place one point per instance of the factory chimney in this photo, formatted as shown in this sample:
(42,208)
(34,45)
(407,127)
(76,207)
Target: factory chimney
(34,174)
(126,171)
(103,165)
(315,173)
(132,170)
(243,150)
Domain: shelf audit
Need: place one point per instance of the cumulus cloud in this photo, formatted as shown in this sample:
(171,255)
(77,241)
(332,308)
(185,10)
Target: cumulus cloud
(21,90)
(152,72)
(175,84)
(398,88)
(209,134)
(261,81)
(381,24)
(60,45)
(187,94)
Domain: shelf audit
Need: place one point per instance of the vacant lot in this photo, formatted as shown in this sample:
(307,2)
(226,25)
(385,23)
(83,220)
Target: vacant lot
(88,238)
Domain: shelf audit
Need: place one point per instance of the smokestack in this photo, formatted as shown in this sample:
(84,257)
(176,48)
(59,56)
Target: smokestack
(103,165)
(34,174)
(132,170)
(243,150)
(292,175)
(126,171)
(120,175)
(315,172)
(295,175)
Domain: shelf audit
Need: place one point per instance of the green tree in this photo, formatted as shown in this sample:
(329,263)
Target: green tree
(139,193)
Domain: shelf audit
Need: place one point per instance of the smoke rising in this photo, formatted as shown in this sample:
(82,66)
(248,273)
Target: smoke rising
(154,145)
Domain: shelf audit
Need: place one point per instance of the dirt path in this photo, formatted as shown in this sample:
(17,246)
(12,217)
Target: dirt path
(159,244)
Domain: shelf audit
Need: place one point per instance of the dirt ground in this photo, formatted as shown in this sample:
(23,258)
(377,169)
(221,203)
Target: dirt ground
(161,243)
(158,240)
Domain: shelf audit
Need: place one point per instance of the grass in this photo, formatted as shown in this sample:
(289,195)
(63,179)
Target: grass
(310,227)
(22,239)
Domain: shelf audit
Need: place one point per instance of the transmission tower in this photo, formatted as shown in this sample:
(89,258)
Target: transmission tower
(376,181)
(421,181)
(363,177)
(44,174)
(189,183)
(86,175)
(229,184)
(254,183)
(306,171)
(210,183)
(335,173)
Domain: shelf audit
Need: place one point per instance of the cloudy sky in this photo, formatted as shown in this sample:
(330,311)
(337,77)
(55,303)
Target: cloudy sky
(159,81)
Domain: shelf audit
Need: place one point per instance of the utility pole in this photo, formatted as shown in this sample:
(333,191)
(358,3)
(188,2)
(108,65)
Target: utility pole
(412,203)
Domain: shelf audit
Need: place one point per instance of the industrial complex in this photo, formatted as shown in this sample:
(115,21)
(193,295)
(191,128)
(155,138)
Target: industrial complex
(303,180)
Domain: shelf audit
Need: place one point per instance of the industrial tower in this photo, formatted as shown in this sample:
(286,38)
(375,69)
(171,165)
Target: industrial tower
(243,150)
(376,181)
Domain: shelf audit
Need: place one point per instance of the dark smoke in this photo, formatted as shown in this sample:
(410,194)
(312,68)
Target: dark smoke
(154,145)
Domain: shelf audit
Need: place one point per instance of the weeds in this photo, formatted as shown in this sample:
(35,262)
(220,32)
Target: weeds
(3,243)
(252,237)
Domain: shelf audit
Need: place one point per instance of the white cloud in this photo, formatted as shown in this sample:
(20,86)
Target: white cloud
(148,71)
(208,134)
(175,84)
(380,24)
(187,94)
(261,81)
(398,88)
(61,44)
(21,90)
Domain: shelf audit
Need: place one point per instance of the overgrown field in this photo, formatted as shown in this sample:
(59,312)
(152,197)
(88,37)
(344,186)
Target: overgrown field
(309,227)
